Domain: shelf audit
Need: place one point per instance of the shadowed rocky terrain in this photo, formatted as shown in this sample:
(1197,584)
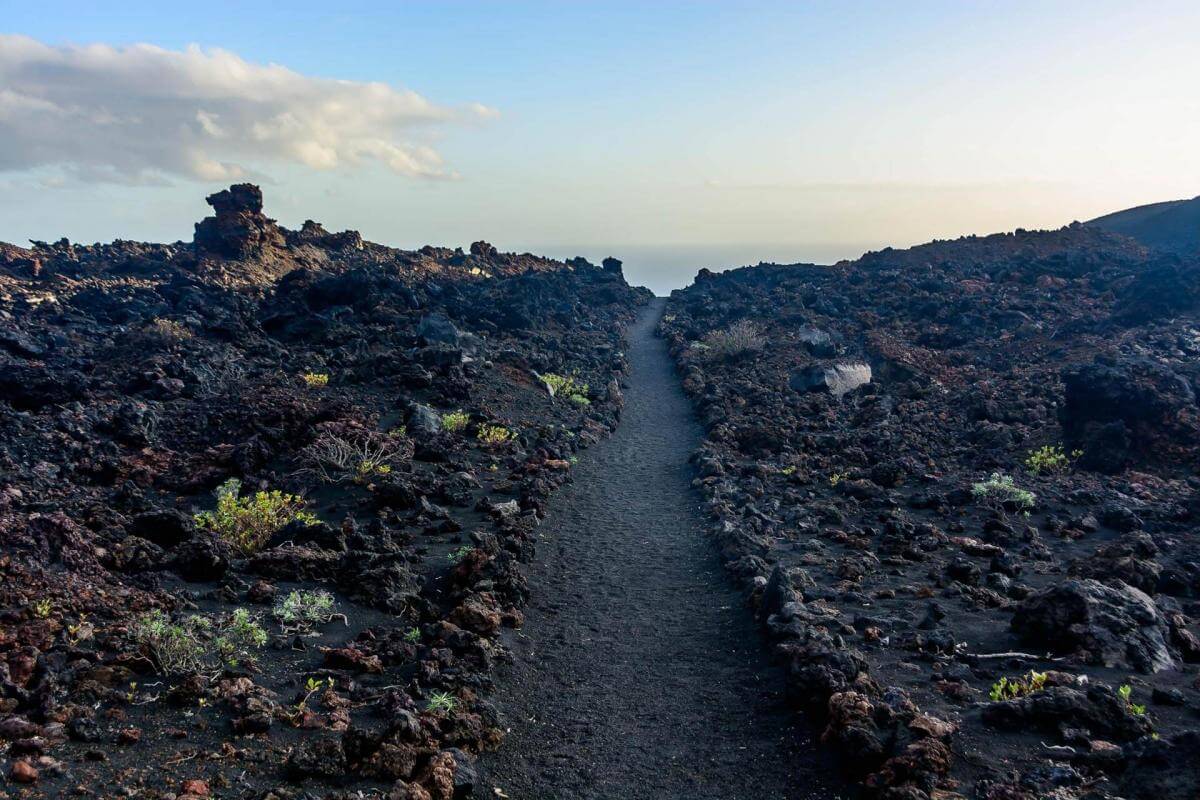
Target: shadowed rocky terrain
(959,484)
(262,498)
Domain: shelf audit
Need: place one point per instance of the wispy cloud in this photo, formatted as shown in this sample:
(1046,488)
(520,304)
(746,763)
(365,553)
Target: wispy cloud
(144,115)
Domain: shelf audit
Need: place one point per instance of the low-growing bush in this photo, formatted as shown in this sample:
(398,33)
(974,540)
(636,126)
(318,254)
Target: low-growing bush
(999,489)
(301,611)
(248,523)
(1012,688)
(739,339)
(495,434)
(335,458)
(196,643)
(315,380)
(166,330)
(458,554)
(455,421)
(568,386)
(1050,459)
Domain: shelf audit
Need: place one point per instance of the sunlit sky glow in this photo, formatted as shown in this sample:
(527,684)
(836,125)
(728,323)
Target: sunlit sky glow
(750,127)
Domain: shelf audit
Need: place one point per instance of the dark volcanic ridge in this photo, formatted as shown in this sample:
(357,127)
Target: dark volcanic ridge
(329,628)
(959,483)
(1173,226)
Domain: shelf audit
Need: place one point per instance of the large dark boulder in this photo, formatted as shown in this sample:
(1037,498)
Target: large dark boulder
(1113,626)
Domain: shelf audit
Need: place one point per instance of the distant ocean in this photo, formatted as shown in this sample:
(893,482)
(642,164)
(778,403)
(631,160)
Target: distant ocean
(667,267)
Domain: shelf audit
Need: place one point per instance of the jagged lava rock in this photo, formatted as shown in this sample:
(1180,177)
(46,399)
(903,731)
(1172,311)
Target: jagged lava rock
(1115,626)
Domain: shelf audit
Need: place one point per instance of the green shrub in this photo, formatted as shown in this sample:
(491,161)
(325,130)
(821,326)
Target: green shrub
(316,380)
(459,554)
(247,523)
(568,386)
(301,611)
(495,434)
(1012,688)
(195,643)
(1000,489)
(1049,459)
(239,638)
(455,421)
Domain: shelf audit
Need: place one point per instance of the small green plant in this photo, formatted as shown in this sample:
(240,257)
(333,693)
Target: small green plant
(739,339)
(495,435)
(1049,459)
(316,380)
(459,554)
(788,471)
(1012,688)
(568,386)
(837,478)
(442,703)
(413,635)
(1125,692)
(195,643)
(247,523)
(42,609)
(175,647)
(368,469)
(301,611)
(455,421)
(1001,490)
(239,637)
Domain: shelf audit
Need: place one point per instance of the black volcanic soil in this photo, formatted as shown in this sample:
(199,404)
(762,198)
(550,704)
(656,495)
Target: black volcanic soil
(135,378)
(895,595)
(638,672)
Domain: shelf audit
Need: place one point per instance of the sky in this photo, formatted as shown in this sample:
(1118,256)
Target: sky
(675,134)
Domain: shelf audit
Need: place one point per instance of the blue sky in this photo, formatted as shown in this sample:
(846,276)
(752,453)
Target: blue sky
(787,127)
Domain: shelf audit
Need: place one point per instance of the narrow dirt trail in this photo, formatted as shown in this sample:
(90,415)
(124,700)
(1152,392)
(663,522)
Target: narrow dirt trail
(639,672)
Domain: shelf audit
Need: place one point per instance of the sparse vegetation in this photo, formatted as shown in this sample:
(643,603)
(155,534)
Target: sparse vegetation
(568,386)
(316,380)
(335,458)
(412,635)
(1001,490)
(739,339)
(442,703)
(495,435)
(301,611)
(42,608)
(459,554)
(455,421)
(1012,688)
(247,523)
(1049,459)
(167,330)
(195,643)
(1125,692)
(837,478)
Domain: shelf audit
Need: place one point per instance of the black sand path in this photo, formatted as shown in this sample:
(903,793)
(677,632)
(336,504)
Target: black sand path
(639,672)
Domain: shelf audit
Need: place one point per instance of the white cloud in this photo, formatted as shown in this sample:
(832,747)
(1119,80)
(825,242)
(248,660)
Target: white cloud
(142,114)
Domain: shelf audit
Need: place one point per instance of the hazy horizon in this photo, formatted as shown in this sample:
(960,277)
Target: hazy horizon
(766,130)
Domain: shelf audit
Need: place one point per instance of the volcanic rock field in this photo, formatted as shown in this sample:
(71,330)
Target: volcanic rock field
(275,506)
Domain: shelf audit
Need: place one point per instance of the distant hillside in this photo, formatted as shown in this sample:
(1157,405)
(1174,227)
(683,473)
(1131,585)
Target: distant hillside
(1173,226)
